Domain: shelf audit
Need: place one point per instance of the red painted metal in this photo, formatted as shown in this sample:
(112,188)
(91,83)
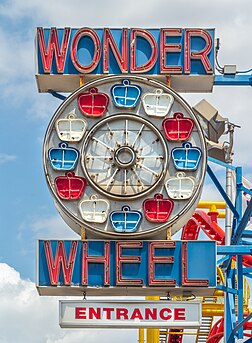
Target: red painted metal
(60,259)
(185,279)
(175,338)
(121,259)
(202,220)
(160,259)
(217,331)
(93,103)
(178,128)
(190,230)
(96,259)
(158,209)
(70,187)
(54,49)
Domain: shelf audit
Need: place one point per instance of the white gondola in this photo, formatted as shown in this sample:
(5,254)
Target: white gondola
(157,104)
(94,210)
(180,187)
(71,129)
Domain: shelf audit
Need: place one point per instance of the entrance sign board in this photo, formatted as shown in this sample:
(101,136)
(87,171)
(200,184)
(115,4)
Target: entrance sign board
(187,55)
(129,314)
(126,267)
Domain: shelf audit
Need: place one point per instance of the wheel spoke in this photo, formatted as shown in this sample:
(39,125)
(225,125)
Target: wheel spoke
(102,143)
(138,135)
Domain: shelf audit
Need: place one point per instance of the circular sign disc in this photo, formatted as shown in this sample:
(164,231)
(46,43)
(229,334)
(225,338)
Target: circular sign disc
(125,158)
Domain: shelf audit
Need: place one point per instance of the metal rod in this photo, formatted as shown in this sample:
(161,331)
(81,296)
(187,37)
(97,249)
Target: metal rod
(222,191)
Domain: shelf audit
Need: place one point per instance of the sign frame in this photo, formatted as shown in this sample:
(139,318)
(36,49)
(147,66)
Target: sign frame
(129,265)
(129,314)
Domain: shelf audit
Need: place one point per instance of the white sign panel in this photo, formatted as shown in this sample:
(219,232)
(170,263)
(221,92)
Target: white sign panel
(129,314)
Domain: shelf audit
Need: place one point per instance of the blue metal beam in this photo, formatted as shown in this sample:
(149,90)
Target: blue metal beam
(244,242)
(247,270)
(57,95)
(243,223)
(227,289)
(230,317)
(244,321)
(247,234)
(222,191)
(234,250)
(240,294)
(221,163)
(246,190)
(233,80)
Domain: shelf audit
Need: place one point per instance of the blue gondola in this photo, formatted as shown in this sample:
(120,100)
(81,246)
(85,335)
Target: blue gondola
(187,157)
(126,95)
(63,158)
(125,220)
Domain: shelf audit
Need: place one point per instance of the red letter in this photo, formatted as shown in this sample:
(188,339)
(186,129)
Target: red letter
(136,314)
(199,55)
(160,259)
(120,281)
(80,313)
(108,312)
(97,50)
(53,49)
(60,260)
(94,313)
(121,59)
(179,314)
(185,279)
(162,315)
(122,312)
(165,48)
(133,43)
(95,259)
(151,313)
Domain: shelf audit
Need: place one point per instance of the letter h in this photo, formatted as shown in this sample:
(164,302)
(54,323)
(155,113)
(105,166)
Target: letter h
(96,259)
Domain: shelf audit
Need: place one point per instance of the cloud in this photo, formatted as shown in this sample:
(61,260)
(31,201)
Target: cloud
(44,227)
(5,158)
(52,226)
(27,317)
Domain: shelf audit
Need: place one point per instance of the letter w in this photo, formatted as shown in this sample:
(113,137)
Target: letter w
(60,261)
(53,48)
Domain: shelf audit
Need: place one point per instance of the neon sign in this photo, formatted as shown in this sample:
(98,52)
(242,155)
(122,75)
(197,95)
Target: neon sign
(87,51)
(148,266)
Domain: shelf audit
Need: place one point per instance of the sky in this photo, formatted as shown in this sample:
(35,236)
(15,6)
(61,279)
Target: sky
(27,211)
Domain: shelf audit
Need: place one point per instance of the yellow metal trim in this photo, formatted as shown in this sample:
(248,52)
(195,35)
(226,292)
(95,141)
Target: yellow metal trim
(168,234)
(141,335)
(221,275)
(82,81)
(152,334)
(83,234)
(212,205)
(168,81)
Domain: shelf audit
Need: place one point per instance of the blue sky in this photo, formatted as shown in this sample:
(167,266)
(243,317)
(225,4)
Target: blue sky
(27,211)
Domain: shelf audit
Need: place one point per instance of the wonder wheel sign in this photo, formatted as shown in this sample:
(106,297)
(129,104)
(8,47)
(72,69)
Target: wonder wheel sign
(125,158)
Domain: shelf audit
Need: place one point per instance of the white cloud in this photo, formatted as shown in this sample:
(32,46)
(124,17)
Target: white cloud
(52,227)
(5,158)
(46,227)
(25,317)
